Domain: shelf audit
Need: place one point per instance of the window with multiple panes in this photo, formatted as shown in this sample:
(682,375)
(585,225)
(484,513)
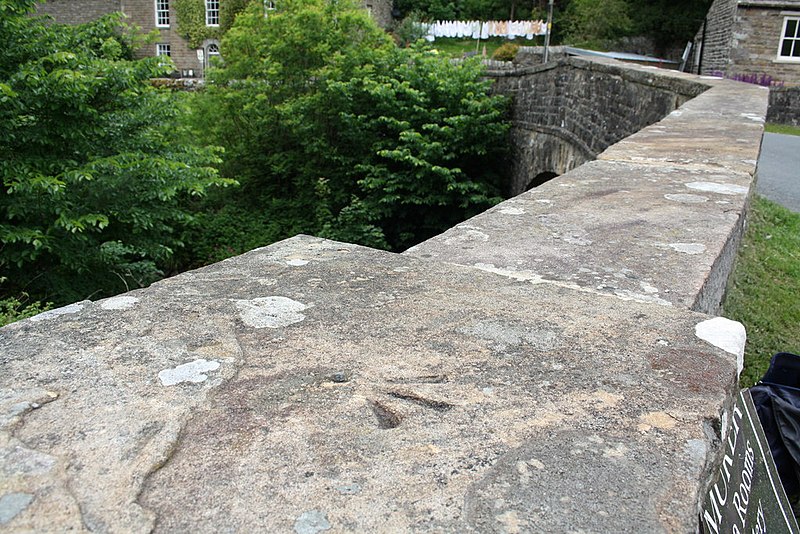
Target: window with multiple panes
(212,12)
(162,13)
(790,39)
(163,49)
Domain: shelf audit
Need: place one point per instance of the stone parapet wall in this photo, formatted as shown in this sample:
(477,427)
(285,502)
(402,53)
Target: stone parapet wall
(586,105)
(784,105)
(547,366)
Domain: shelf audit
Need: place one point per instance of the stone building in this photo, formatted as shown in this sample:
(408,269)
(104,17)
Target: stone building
(160,15)
(747,39)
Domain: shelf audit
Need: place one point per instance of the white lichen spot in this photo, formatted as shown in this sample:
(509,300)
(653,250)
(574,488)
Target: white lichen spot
(512,211)
(647,288)
(119,303)
(677,113)
(52,314)
(270,312)
(311,522)
(688,248)
(193,372)
(522,276)
(297,262)
(721,188)
(543,201)
(687,199)
(725,334)
(626,294)
(710,77)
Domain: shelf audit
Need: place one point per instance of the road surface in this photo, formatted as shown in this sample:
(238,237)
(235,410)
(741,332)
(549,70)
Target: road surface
(779,170)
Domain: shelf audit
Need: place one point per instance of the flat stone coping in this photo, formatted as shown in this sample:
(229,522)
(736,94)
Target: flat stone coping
(313,385)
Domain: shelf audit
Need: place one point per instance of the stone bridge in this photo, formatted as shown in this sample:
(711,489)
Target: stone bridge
(551,365)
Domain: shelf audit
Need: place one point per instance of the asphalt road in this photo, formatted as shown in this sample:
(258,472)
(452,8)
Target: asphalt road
(779,170)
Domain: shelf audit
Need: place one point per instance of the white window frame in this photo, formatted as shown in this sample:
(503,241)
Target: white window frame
(163,49)
(162,13)
(795,17)
(212,13)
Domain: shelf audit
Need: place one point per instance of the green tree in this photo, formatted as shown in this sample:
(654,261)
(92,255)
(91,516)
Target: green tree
(595,22)
(91,160)
(327,123)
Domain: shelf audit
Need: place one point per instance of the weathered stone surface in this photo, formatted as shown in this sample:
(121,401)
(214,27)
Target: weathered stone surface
(720,129)
(643,232)
(396,394)
(556,381)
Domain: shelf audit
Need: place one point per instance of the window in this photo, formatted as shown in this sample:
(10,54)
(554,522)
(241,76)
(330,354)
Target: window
(162,13)
(163,49)
(212,12)
(269,5)
(790,39)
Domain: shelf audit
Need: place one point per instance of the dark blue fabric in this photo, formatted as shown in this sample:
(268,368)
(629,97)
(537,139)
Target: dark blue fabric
(777,401)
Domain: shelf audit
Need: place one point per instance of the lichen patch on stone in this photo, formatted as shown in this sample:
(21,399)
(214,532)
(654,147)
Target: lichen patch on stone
(193,372)
(311,522)
(296,262)
(512,211)
(687,198)
(522,276)
(52,314)
(688,248)
(721,188)
(122,302)
(12,504)
(270,312)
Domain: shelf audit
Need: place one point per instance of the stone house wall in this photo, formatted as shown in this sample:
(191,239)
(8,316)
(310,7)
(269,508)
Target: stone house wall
(189,62)
(73,12)
(718,32)
(755,42)
(742,39)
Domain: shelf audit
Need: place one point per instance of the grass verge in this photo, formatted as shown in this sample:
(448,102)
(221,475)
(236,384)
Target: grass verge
(764,291)
(782,129)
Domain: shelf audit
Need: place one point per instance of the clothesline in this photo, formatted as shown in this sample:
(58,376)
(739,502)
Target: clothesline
(476,29)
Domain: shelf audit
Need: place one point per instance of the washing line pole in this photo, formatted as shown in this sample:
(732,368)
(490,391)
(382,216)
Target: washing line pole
(549,29)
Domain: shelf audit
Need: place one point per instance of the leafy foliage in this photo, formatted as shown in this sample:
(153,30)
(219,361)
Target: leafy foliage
(91,162)
(15,309)
(506,52)
(595,22)
(322,116)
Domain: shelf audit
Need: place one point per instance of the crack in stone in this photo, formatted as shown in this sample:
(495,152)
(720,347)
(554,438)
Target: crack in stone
(439,406)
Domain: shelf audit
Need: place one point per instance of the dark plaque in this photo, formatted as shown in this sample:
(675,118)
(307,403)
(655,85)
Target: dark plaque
(747,496)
